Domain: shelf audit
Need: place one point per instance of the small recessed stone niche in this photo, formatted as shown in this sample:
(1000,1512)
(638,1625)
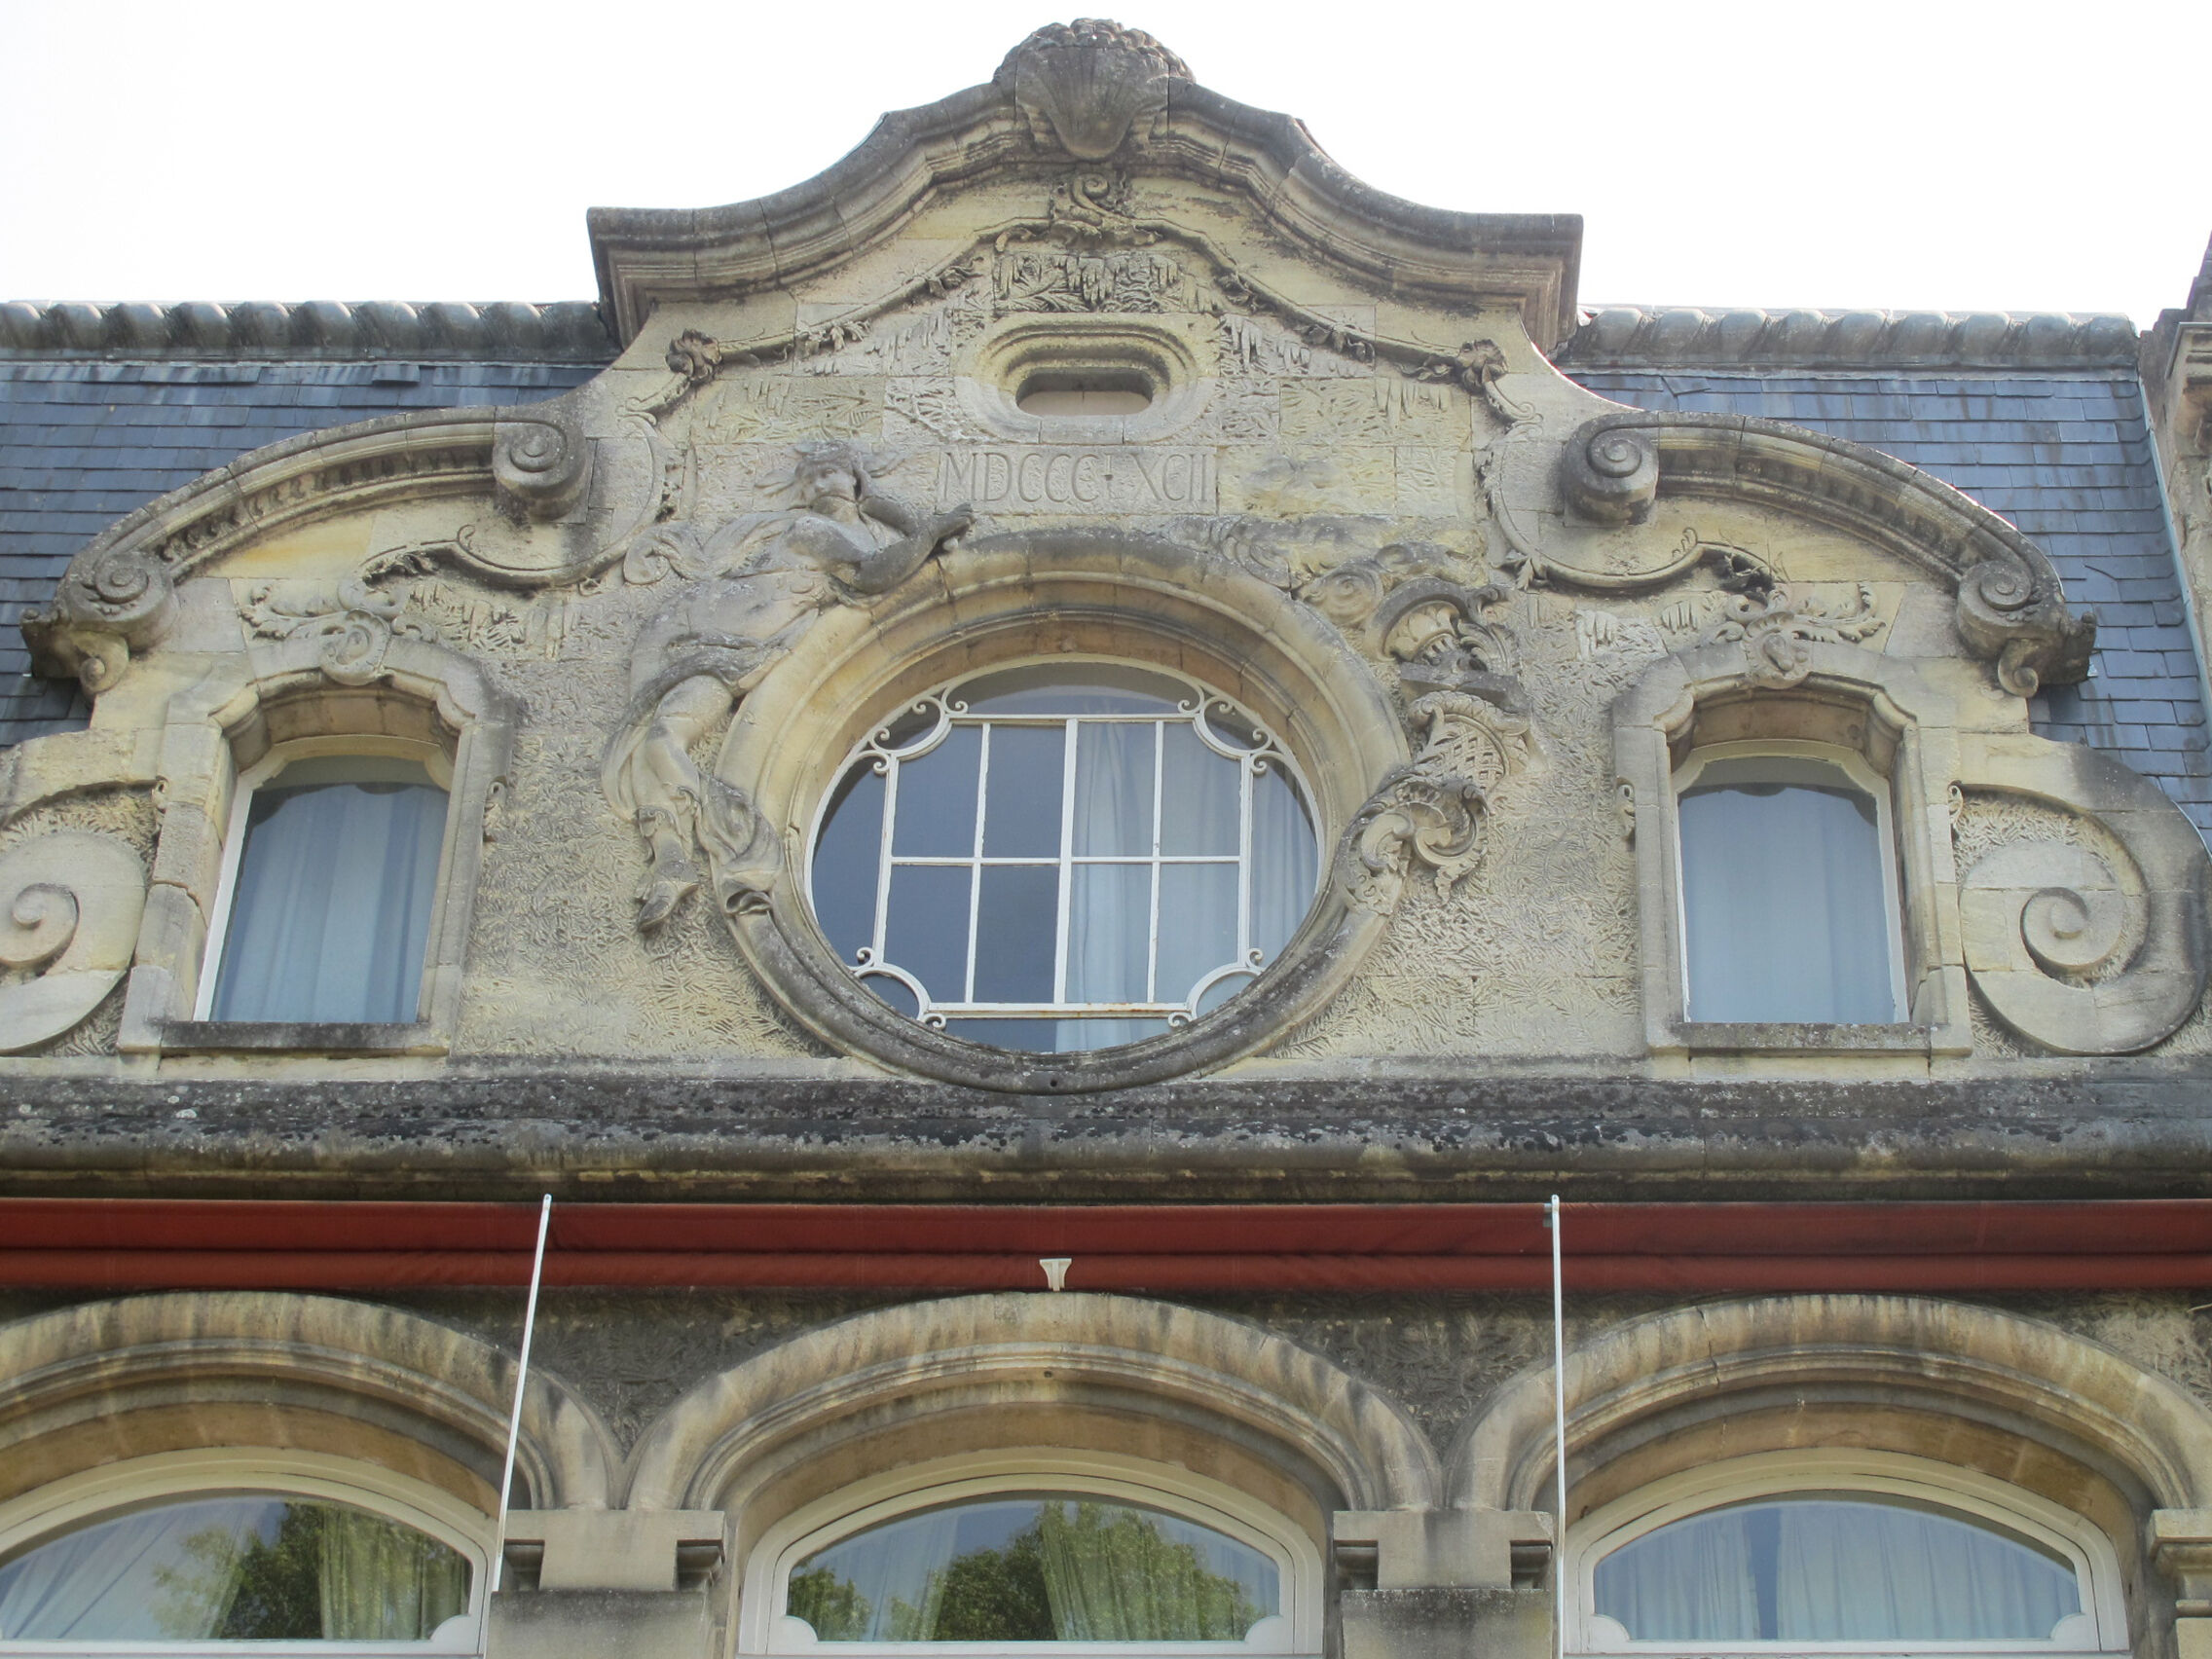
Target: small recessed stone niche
(1110,378)
(1085,393)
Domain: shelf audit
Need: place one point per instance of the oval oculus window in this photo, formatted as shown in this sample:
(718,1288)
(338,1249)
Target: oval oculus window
(1064,857)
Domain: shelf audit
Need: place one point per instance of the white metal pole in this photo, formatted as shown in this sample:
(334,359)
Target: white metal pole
(1558,1433)
(514,1418)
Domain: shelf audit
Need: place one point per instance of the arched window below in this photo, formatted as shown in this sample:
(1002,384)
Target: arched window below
(301,1561)
(1067,1560)
(1842,1551)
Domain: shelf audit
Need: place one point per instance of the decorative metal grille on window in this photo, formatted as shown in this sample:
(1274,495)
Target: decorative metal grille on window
(1064,857)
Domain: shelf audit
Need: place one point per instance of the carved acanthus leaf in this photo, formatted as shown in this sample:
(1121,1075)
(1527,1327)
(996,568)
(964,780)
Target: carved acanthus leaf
(357,628)
(1775,630)
(1429,812)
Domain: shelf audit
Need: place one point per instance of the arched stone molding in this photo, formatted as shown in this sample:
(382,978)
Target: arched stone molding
(104,1382)
(2056,1394)
(2011,606)
(2098,944)
(1845,696)
(906,1368)
(404,690)
(527,464)
(1065,97)
(1021,598)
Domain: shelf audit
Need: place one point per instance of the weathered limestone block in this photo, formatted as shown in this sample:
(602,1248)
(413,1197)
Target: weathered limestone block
(1445,1548)
(1446,1623)
(615,1549)
(596,1624)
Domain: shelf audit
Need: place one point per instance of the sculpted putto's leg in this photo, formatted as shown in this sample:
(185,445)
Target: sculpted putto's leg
(665,783)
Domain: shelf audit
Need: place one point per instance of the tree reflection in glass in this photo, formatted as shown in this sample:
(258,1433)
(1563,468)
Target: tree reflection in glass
(1049,1568)
(247,1568)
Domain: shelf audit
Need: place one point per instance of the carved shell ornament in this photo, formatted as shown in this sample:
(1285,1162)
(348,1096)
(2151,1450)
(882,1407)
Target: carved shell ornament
(1085,85)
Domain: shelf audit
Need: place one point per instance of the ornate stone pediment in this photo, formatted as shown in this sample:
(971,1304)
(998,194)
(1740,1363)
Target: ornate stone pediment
(1340,481)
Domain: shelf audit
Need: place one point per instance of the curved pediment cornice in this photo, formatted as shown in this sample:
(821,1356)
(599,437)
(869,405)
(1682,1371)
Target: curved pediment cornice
(2012,605)
(1067,95)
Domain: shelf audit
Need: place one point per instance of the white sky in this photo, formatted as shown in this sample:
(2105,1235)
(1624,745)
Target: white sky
(1866,154)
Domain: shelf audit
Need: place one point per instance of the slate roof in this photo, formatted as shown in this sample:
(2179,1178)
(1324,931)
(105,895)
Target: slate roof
(2066,456)
(2042,419)
(82,442)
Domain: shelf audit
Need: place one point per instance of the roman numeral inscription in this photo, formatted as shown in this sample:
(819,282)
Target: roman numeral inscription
(1018,478)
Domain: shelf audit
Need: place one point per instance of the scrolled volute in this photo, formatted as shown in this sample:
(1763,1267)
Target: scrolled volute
(1429,813)
(541,467)
(2042,918)
(2044,922)
(122,600)
(2014,612)
(70,903)
(1609,471)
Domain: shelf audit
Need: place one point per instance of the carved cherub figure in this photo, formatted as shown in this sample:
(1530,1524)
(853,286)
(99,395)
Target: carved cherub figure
(768,582)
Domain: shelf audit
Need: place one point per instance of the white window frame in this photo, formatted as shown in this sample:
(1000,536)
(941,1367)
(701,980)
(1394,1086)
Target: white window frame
(432,758)
(932,1011)
(2101,1627)
(138,1483)
(1863,777)
(763,1628)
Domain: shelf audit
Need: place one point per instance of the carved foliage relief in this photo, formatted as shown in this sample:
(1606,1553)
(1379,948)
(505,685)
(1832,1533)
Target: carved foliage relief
(1504,559)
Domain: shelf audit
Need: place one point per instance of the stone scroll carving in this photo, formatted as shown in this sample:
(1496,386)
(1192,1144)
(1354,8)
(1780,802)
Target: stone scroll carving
(103,611)
(758,584)
(1083,85)
(1474,733)
(2047,925)
(73,901)
(2011,608)
(354,631)
(1775,628)
(541,468)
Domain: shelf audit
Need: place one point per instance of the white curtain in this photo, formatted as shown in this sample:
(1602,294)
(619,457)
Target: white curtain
(1866,1572)
(330,912)
(1688,1582)
(885,1585)
(380,1581)
(1118,1575)
(1783,902)
(1285,860)
(162,1575)
(1834,1569)
(1107,1572)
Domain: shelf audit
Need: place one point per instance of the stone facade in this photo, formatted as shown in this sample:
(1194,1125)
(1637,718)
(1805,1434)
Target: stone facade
(637,630)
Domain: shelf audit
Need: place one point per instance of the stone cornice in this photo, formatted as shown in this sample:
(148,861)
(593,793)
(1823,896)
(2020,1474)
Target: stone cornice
(568,331)
(619,1133)
(647,257)
(1684,337)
